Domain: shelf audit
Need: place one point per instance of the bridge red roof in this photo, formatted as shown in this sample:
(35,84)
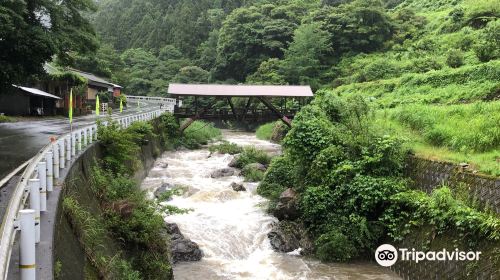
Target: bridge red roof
(239,90)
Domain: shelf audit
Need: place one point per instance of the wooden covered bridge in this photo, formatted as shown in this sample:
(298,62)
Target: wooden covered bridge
(200,108)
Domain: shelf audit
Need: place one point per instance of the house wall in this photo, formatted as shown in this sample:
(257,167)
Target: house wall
(91,93)
(14,103)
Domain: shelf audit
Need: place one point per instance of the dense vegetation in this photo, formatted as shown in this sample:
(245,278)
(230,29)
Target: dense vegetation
(352,195)
(32,32)
(130,221)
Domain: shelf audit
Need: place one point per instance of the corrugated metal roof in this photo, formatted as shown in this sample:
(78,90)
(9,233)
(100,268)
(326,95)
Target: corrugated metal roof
(37,92)
(240,90)
(92,77)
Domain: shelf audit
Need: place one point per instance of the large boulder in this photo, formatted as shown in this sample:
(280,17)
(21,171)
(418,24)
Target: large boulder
(288,236)
(182,248)
(237,187)
(162,189)
(223,172)
(185,250)
(287,208)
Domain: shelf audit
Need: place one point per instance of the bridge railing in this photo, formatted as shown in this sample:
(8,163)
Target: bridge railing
(37,179)
(163,100)
(228,112)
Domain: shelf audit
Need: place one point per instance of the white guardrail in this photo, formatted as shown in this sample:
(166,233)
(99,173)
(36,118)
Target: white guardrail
(163,100)
(37,179)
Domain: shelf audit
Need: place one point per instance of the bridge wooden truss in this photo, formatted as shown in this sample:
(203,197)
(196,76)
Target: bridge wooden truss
(227,92)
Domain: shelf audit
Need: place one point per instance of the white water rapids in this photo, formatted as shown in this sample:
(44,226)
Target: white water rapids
(231,227)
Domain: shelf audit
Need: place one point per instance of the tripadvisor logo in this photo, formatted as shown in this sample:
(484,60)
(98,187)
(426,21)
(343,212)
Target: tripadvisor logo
(387,255)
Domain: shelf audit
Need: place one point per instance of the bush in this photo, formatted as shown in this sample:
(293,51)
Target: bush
(4,118)
(274,131)
(252,155)
(455,59)
(264,132)
(141,131)
(199,133)
(226,148)
(252,174)
(279,176)
(334,246)
(119,147)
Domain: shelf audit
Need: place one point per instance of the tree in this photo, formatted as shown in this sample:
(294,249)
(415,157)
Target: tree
(358,26)
(252,35)
(31,32)
(192,75)
(269,73)
(305,57)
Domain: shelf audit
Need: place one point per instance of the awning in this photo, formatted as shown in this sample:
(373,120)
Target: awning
(239,90)
(35,91)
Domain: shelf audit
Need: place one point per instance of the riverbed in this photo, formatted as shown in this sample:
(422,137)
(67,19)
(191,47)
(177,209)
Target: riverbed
(231,227)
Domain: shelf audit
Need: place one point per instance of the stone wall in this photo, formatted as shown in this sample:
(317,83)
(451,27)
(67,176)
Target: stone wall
(427,175)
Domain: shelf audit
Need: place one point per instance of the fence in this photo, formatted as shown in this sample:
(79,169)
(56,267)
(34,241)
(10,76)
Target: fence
(37,179)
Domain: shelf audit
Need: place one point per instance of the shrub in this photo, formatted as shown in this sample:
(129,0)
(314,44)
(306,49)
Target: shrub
(119,147)
(455,59)
(199,133)
(279,176)
(264,132)
(141,131)
(226,148)
(252,174)
(4,118)
(252,155)
(334,246)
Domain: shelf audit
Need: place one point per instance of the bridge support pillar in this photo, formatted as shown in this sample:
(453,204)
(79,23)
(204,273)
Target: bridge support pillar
(281,116)
(27,256)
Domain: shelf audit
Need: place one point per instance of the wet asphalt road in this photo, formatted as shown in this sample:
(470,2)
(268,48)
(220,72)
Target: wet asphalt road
(20,141)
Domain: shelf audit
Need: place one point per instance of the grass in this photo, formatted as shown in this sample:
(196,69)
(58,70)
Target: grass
(446,86)
(4,118)
(487,162)
(200,133)
(252,174)
(465,128)
(252,155)
(226,148)
(264,132)
(274,132)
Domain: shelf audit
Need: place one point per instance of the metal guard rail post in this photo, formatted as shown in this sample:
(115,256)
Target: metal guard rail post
(76,145)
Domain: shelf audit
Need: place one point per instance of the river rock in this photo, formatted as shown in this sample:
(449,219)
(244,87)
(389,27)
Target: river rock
(288,236)
(233,162)
(256,166)
(238,187)
(162,165)
(162,189)
(186,190)
(185,250)
(287,209)
(182,248)
(224,172)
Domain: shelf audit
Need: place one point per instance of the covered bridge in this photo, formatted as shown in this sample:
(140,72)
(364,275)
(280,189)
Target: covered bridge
(262,93)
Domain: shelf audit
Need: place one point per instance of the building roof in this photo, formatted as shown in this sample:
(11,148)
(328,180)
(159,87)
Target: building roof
(35,91)
(54,70)
(239,90)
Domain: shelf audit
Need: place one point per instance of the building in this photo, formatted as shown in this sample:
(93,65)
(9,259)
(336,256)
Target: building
(50,95)
(27,101)
(85,86)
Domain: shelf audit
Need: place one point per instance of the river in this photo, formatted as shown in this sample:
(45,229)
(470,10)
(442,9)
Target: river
(231,227)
